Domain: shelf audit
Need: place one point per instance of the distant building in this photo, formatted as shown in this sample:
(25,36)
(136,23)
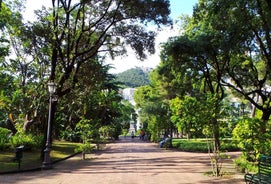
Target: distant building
(132,127)
(128,94)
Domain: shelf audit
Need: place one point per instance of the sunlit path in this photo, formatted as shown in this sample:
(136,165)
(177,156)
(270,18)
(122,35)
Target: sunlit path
(126,162)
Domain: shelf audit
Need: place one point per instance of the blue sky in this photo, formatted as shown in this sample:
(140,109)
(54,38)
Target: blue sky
(179,7)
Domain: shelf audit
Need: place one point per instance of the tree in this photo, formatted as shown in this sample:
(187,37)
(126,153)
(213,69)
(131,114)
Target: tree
(188,115)
(153,109)
(5,18)
(228,43)
(245,54)
(196,54)
(90,27)
(78,32)
(242,29)
(20,75)
(68,37)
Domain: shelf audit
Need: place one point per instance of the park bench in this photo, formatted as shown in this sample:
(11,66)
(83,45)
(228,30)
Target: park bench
(264,172)
(165,143)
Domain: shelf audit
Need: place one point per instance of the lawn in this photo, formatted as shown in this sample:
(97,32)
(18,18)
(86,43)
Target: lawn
(201,145)
(31,158)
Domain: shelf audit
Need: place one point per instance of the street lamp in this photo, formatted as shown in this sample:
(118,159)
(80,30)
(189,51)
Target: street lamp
(47,164)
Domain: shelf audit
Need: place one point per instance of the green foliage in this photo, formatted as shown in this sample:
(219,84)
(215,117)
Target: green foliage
(111,131)
(194,146)
(71,56)
(193,115)
(154,109)
(87,130)
(126,109)
(69,135)
(243,165)
(117,129)
(4,137)
(133,78)
(107,131)
(86,147)
(186,114)
(229,145)
(201,145)
(5,19)
(250,141)
(28,140)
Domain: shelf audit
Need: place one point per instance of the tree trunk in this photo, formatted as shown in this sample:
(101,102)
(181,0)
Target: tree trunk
(216,135)
(265,118)
(216,164)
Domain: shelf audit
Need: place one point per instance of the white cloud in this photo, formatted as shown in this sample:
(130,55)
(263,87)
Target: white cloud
(32,5)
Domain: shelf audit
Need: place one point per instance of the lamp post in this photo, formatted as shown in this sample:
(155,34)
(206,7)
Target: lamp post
(47,164)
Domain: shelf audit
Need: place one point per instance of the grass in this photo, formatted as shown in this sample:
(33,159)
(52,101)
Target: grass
(200,145)
(31,158)
(62,149)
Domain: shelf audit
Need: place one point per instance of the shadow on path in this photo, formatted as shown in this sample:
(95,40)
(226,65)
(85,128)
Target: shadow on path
(127,161)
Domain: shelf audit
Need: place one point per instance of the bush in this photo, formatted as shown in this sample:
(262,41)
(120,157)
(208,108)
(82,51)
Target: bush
(109,132)
(28,140)
(229,145)
(200,145)
(245,166)
(84,148)
(190,145)
(87,147)
(70,135)
(4,136)
(251,141)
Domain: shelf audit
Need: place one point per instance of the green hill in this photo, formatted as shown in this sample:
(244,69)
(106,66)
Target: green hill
(134,77)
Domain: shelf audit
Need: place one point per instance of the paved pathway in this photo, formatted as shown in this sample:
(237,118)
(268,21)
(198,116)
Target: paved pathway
(127,162)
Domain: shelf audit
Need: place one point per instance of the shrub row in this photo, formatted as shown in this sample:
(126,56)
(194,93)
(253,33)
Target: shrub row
(201,145)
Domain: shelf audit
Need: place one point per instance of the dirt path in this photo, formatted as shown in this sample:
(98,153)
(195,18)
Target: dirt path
(128,162)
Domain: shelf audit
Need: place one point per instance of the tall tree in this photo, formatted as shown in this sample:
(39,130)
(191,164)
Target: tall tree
(91,27)
(243,29)
(79,31)
(195,55)
(233,49)
(26,99)
(153,108)
(73,33)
